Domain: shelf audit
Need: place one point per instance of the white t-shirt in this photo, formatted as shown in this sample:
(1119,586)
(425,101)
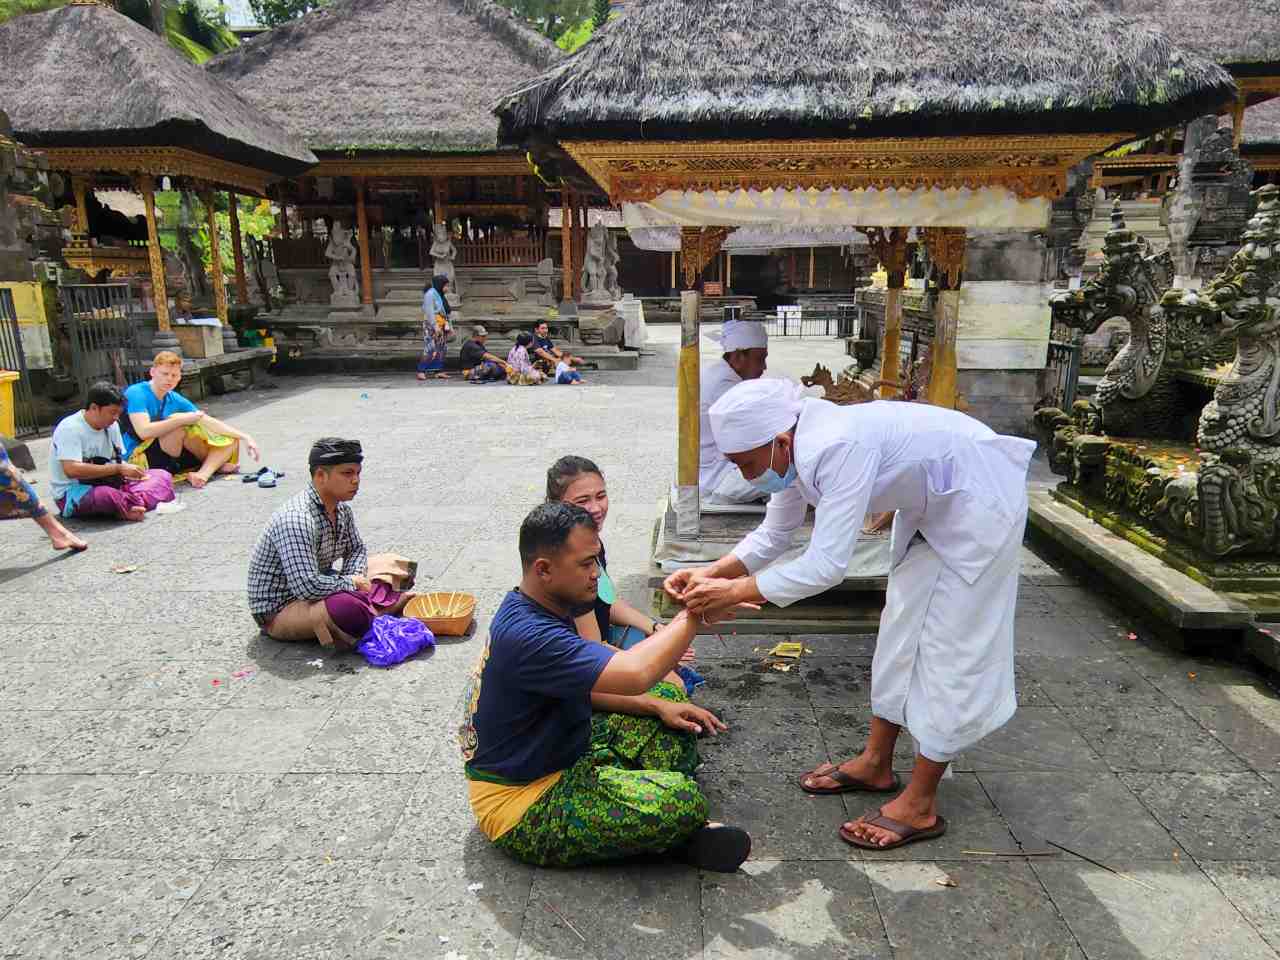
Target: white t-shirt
(74,439)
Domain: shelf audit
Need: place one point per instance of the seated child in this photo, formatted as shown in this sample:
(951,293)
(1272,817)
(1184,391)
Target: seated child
(566,373)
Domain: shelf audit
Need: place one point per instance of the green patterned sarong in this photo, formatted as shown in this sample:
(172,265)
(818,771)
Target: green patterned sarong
(632,793)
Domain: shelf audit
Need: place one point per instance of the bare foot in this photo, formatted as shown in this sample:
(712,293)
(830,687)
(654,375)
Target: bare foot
(442,376)
(64,539)
(197,481)
(862,768)
(915,813)
(135,514)
(422,378)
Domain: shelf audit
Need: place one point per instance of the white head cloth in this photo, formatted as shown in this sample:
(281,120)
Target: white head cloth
(753,412)
(744,335)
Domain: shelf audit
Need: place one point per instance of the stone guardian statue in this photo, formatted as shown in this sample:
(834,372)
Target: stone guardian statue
(341,253)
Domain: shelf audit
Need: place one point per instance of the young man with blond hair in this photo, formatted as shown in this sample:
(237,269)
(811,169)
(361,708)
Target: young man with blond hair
(166,431)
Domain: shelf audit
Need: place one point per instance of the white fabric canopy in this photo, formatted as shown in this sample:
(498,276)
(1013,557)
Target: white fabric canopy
(787,211)
(758,239)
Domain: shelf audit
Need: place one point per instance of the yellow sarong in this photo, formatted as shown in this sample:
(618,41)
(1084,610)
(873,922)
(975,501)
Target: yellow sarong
(139,456)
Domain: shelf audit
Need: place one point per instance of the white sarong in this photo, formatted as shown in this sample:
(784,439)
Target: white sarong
(943,665)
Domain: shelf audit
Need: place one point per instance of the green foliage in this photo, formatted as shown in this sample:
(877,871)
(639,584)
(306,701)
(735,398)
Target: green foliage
(191,27)
(272,13)
(551,18)
(599,13)
(256,220)
(576,36)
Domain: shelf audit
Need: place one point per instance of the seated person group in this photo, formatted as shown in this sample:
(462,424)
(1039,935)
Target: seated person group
(579,737)
(99,470)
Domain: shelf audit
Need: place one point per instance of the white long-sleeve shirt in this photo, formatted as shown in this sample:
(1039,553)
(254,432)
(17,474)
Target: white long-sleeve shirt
(714,381)
(948,476)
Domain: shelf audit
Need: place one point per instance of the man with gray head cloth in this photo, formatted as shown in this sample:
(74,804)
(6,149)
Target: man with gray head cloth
(943,664)
(746,351)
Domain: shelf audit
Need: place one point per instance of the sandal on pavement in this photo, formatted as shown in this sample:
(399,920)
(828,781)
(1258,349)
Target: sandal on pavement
(252,477)
(847,783)
(906,833)
(267,480)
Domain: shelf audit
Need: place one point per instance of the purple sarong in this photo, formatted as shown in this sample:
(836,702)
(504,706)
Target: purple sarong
(353,612)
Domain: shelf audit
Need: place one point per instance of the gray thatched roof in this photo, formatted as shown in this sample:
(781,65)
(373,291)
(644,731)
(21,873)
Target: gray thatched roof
(743,68)
(1243,35)
(87,76)
(1262,125)
(414,75)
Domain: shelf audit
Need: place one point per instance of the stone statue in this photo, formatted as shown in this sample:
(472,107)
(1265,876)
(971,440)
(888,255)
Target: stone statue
(1137,395)
(443,255)
(595,267)
(611,259)
(342,270)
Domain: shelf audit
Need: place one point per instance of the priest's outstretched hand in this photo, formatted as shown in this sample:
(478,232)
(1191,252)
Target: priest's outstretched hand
(715,598)
(681,581)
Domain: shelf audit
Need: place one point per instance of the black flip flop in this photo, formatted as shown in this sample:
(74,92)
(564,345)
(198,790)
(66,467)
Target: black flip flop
(847,783)
(252,477)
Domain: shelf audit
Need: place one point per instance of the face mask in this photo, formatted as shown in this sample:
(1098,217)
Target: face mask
(769,481)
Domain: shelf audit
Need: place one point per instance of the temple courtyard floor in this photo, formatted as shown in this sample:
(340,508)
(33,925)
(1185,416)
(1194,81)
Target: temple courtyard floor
(173,785)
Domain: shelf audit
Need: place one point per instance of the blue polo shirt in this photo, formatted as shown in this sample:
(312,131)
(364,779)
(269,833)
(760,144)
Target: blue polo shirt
(528,710)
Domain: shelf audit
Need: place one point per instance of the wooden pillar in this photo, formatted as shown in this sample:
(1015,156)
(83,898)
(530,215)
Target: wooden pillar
(812,269)
(80,187)
(362,227)
(728,271)
(566,243)
(674,270)
(580,251)
(1237,121)
(147,187)
(282,219)
(688,506)
(890,248)
(215,257)
(946,250)
(440,187)
(237,251)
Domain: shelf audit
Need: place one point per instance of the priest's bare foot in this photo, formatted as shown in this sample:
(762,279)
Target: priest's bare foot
(868,768)
(920,813)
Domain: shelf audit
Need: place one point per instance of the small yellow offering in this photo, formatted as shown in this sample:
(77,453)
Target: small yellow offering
(790,650)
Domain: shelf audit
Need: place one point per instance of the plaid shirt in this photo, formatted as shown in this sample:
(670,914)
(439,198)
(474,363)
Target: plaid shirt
(294,557)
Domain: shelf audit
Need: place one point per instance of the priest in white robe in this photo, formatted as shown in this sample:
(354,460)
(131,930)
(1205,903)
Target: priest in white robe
(943,665)
(746,352)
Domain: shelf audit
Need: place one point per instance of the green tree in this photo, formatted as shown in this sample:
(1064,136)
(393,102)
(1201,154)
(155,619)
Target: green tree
(272,13)
(192,27)
(599,13)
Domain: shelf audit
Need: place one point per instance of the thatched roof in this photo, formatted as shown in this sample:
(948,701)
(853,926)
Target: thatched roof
(1243,35)
(1262,125)
(87,76)
(753,68)
(395,75)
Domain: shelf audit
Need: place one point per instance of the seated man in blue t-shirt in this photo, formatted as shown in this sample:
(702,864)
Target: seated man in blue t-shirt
(166,431)
(552,784)
(546,355)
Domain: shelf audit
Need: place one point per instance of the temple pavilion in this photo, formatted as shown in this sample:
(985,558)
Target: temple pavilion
(395,98)
(929,122)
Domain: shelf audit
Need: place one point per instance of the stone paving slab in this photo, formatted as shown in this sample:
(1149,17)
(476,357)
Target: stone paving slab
(174,786)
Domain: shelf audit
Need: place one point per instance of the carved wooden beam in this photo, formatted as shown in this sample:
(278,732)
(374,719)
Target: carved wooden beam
(946,251)
(698,247)
(889,247)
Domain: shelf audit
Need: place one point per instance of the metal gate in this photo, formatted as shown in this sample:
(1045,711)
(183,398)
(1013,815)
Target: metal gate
(103,327)
(12,357)
(1062,375)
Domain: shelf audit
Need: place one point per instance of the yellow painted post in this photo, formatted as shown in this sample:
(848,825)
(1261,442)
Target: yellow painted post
(147,187)
(890,248)
(946,250)
(215,258)
(688,506)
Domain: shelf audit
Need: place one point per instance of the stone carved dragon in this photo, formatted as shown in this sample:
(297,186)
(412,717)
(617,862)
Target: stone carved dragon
(1137,395)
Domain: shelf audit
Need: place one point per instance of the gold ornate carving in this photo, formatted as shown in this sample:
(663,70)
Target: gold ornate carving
(698,247)
(158,162)
(147,187)
(1030,166)
(946,251)
(890,248)
(118,261)
(80,221)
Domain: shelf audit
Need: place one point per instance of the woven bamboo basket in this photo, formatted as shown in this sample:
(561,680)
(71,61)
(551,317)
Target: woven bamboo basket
(446,614)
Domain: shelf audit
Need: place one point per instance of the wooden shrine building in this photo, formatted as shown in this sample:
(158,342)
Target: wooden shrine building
(112,105)
(395,98)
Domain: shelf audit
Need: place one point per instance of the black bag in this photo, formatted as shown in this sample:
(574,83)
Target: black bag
(117,481)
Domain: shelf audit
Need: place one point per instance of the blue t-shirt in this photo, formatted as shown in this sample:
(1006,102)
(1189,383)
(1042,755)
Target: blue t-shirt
(140,398)
(541,343)
(528,708)
(75,440)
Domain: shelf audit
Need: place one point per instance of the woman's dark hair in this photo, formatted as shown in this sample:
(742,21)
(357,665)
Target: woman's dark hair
(103,394)
(546,529)
(566,470)
(523,339)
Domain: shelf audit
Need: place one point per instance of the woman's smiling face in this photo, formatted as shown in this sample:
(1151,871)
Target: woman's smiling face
(588,492)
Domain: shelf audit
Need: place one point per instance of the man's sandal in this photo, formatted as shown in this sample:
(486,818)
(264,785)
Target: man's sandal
(906,833)
(847,783)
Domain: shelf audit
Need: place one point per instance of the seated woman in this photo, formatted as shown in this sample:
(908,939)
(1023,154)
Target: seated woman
(613,620)
(18,500)
(522,371)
